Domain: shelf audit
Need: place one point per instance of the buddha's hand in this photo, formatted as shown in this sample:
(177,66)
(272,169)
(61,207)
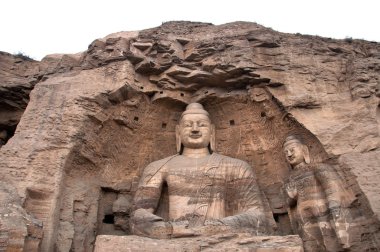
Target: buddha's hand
(182,229)
(214,223)
(144,223)
(341,217)
(291,190)
(211,227)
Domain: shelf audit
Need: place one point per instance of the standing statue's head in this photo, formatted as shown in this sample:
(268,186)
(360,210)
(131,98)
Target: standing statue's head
(295,151)
(195,130)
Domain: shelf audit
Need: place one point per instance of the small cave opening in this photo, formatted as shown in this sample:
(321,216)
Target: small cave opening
(109,219)
(232,122)
(6,132)
(276,218)
(106,218)
(163,126)
(283,223)
(13,101)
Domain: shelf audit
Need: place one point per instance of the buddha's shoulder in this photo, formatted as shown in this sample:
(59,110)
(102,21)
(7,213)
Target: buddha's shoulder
(228,159)
(159,163)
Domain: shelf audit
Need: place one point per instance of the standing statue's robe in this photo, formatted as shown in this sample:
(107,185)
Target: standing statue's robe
(214,187)
(320,213)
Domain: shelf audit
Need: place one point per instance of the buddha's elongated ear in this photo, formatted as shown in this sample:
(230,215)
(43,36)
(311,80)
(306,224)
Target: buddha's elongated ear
(306,154)
(178,139)
(212,138)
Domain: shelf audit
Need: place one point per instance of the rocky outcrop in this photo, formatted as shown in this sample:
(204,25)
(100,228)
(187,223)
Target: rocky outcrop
(19,231)
(96,118)
(17,79)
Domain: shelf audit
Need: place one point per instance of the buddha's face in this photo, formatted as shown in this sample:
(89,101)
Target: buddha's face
(195,131)
(294,153)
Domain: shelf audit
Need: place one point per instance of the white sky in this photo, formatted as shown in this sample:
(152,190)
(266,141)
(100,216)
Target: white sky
(41,27)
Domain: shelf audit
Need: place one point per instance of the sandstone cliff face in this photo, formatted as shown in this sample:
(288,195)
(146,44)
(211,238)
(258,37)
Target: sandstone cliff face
(95,119)
(18,76)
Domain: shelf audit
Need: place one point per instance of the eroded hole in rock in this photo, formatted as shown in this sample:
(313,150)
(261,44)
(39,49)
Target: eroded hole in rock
(232,122)
(14,91)
(6,132)
(161,92)
(106,216)
(263,114)
(136,119)
(182,94)
(275,217)
(283,222)
(163,125)
(109,219)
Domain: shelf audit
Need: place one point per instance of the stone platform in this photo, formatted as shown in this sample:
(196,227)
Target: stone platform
(230,242)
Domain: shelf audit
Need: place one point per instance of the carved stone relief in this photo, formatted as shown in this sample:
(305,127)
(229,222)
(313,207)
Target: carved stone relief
(97,119)
(319,203)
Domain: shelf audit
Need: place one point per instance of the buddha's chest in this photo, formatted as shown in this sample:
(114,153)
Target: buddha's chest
(200,182)
(308,187)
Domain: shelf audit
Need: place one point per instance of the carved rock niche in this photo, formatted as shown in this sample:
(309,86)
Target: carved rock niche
(135,130)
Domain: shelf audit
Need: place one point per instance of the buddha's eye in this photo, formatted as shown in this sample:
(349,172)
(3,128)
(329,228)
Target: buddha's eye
(202,124)
(187,124)
(290,150)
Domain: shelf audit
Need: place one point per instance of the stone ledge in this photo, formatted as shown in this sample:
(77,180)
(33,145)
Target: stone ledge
(229,242)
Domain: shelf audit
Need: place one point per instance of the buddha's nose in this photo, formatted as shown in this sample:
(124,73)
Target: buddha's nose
(195,128)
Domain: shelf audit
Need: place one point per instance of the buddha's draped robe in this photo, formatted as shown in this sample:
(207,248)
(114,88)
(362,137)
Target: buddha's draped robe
(215,187)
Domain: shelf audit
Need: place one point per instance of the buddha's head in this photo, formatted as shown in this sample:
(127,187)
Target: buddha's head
(195,130)
(295,151)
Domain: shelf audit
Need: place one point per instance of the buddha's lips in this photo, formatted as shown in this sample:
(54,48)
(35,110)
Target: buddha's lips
(195,136)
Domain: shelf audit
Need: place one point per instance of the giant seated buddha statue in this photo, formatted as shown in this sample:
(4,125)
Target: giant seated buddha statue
(207,193)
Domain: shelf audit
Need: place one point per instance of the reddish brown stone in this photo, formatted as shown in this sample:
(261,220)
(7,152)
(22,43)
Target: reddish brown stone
(94,121)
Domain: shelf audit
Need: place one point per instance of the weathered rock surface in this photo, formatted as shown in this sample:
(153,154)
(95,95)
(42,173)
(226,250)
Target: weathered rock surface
(17,79)
(18,230)
(238,242)
(97,118)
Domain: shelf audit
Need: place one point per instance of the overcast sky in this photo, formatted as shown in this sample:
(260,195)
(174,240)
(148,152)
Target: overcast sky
(40,27)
